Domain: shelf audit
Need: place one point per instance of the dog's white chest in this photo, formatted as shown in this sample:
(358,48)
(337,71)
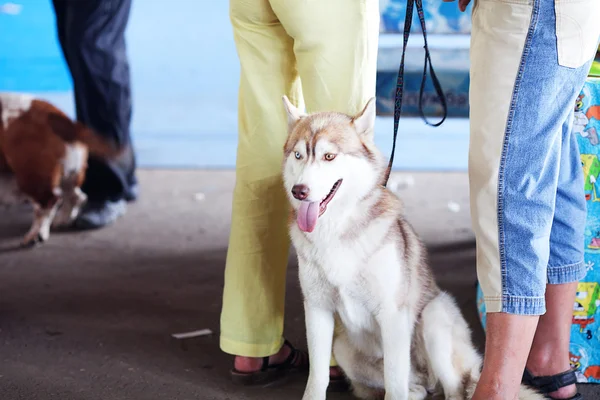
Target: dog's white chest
(357,281)
(339,282)
(355,310)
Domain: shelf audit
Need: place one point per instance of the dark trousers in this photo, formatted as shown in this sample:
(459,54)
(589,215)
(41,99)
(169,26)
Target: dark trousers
(91,35)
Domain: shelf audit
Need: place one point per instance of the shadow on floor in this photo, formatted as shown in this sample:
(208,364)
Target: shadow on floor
(89,316)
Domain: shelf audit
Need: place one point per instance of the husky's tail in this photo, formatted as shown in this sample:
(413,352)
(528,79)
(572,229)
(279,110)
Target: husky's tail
(526,393)
(71,132)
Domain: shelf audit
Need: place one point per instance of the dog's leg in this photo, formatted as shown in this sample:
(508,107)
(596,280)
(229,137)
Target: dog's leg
(45,193)
(440,349)
(40,229)
(319,332)
(396,330)
(447,344)
(70,208)
(417,392)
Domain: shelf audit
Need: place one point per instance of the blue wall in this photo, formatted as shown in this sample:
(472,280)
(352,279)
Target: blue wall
(185,76)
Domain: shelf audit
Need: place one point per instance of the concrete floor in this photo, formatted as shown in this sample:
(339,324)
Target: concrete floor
(89,316)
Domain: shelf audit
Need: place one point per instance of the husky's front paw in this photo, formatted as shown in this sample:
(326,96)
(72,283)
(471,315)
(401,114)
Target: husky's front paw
(310,396)
(417,392)
(389,396)
(315,391)
(397,395)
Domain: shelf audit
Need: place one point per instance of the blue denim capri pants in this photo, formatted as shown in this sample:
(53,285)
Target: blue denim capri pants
(529,62)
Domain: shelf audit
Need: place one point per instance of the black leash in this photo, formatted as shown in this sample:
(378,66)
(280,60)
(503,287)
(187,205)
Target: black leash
(400,83)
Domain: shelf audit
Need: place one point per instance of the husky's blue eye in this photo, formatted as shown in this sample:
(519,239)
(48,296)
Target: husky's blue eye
(329,156)
(298,155)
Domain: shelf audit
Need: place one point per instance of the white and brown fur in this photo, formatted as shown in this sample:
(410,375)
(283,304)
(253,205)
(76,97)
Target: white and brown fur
(43,159)
(363,270)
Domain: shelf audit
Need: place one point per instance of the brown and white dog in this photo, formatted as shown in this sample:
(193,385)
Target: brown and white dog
(43,159)
(370,296)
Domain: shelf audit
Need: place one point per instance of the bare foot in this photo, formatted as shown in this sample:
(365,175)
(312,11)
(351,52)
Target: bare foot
(251,364)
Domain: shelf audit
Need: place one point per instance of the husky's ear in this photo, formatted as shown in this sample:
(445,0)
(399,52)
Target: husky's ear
(293,114)
(365,121)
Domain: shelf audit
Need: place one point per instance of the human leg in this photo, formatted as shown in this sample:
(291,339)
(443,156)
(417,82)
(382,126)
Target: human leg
(337,56)
(252,318)
(91,34)
(60,14)
(550,350)
(549,354)
(254,293)
(515,160)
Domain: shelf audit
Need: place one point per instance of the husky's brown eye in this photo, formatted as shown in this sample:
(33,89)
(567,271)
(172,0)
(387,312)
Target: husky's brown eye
(329,156)
(298,155)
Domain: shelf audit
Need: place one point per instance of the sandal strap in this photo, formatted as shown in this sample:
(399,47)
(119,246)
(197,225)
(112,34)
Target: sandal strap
(578,396)
(265,364)
(290,361)
(551,383)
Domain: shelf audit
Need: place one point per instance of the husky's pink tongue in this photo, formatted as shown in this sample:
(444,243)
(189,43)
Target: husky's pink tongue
(308,213)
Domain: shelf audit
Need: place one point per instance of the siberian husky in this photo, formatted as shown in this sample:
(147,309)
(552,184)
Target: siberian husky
(369,293)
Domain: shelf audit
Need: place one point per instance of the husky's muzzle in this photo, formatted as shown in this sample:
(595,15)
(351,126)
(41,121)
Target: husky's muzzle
(310,211)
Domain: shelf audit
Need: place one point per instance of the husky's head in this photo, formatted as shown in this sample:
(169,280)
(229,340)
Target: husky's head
(330,161)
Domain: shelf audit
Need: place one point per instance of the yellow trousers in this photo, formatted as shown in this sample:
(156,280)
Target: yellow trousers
(322,54)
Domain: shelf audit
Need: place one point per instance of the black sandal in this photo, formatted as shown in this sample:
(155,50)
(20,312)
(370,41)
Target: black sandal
(338,384)
(270,373)
(297,361)
(549,384)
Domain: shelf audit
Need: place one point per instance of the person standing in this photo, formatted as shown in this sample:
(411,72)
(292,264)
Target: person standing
(92,38)
(322,55)
(529,62)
